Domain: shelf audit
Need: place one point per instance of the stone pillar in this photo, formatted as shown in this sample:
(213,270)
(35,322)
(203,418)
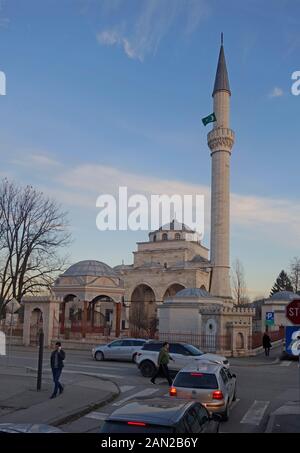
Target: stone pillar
(84,319)
(118,318)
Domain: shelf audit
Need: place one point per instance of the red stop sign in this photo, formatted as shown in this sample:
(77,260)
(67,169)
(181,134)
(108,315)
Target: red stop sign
(293,311)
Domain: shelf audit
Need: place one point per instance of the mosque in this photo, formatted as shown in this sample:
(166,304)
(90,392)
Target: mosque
(174,285)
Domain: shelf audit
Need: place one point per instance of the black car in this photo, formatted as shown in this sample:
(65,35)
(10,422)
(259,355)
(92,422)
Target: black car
(161,415)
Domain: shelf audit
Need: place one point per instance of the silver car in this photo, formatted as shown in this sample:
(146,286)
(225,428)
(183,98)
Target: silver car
(211,384)
(125,349)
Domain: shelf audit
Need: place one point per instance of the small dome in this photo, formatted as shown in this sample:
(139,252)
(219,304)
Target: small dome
(285,296)
(193,292)
(90,268)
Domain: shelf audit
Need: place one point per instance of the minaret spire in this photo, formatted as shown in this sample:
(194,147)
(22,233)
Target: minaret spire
(222,80)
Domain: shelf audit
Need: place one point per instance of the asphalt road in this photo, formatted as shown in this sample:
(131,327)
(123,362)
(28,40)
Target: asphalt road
(263,386)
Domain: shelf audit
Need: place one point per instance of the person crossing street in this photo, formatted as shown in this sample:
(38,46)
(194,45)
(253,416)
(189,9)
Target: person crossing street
(162,362)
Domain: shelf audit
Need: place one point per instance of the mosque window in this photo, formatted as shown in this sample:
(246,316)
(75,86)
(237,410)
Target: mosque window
(165,237)
(177,236)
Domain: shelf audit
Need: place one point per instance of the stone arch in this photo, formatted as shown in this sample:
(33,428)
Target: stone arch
(101,313)
(173,289)
(36,324)
(165,237)
(65,317)
(240,341)
(142,310)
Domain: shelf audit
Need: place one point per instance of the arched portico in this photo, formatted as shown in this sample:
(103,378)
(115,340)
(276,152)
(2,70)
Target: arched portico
(142,317)
(172,290)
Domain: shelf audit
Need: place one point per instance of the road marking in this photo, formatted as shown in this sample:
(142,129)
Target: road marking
(146,392)
(285,363)
(126,388)
(255,413)
(97,415)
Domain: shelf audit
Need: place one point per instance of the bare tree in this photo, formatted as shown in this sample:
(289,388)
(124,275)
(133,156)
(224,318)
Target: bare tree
(295,273)
(238,283)
(32,230)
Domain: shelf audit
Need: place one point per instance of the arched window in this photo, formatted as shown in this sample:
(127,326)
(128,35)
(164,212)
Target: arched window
(177,236)
(165,237)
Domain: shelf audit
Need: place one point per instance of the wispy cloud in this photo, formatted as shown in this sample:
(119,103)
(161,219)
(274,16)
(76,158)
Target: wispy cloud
(36,160)
(79,186)
(276,93)
(149,22)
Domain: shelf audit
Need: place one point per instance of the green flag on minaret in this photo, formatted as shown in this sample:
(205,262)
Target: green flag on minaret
(209,119)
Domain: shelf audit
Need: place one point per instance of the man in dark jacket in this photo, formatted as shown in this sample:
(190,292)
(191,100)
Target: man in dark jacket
(162,362)
(266,343)
(57,363)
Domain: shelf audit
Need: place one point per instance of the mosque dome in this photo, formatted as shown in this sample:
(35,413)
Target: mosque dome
(90,268)
(285,296)
(193,292)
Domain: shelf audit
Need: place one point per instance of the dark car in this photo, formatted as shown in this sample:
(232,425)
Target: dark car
(162,415)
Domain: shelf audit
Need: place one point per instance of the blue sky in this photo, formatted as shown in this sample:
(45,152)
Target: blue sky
(103,92)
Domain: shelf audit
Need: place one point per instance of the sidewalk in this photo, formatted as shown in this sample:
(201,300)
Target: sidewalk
(21,403)
(258,360)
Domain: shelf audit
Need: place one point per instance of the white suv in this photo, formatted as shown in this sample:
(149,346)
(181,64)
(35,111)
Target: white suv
(182,354)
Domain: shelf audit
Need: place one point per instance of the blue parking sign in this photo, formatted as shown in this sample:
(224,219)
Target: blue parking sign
(270,318)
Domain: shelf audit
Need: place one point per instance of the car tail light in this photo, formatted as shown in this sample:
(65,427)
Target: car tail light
(173,391)
(136,424)
(217,395)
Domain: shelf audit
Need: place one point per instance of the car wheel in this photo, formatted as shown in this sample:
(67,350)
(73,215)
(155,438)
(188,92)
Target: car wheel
(99,356)
(225,414)
(234,396)
(147,368)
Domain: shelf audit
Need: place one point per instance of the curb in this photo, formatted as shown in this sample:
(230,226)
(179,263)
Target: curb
(270,424)
(275,362)
(85,409)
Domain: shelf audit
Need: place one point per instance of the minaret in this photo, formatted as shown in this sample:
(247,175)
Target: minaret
(220,142)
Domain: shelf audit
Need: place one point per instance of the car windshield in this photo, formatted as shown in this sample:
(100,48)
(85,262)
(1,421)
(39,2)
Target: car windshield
(123,427)
(192,350)
(196,380)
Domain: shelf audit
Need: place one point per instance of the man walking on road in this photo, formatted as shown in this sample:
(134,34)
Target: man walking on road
(162,362)
(266,344)
(57,363)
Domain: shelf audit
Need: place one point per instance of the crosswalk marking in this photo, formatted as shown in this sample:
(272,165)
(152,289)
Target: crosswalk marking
(256,412)
(285,363)
(97,415)
(145,392)
(126,388)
